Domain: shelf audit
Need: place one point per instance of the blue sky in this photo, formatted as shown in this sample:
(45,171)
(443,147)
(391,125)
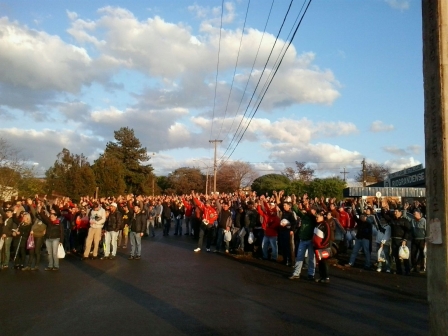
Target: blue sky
(349,87)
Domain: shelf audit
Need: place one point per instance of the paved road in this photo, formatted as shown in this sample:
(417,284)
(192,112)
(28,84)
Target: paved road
(174,291)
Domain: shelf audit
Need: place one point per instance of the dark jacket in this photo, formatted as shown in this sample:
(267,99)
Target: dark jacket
(8,226)
(308,223)
(166,212)
(364,229)
(290,216)
(224,216)
(54,229)
(24,233)
(400,227)
(138,222)
(115,221)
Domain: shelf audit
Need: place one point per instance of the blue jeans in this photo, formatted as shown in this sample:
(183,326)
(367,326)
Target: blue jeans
(6,251)
(364,244)
(349,238)
(386,249)
(111,236)
(178,227)
(305,245)
(136,244)
(52,248)
(166,226)
(265,245)
(150,224)
(221,239)
(187,224)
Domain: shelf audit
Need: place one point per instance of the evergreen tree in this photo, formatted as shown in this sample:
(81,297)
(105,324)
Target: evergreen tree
(109,174)
(129,151)
(71,175)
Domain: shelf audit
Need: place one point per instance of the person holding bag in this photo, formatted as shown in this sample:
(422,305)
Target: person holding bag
(55,237)
(22,234)
(321,243)
(37,235)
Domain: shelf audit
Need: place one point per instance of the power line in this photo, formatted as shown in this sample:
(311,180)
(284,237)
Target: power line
(261,76)
(256,109)
(248,80)
(234,72)
(217,70)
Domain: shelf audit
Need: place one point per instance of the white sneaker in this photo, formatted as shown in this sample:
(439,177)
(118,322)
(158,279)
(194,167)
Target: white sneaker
(378,269)
(197,249)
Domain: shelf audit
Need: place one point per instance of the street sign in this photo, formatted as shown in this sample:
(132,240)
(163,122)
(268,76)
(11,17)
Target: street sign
(378,194)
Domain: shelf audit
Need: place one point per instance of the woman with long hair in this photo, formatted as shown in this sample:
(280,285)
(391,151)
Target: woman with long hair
(22,234)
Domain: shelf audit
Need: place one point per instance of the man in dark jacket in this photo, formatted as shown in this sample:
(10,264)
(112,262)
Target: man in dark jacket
(401,234)
(363,237)
(138,228)
(114,225)
(225,223)
(305,232)
(285,232)
(166,217)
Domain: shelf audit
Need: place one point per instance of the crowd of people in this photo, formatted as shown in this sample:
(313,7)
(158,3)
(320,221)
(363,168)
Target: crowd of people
(295,231)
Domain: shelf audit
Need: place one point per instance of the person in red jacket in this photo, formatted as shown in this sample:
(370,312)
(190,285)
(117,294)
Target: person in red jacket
(350,236)
(188,216)
(321,240)
(209,216)
(270,224)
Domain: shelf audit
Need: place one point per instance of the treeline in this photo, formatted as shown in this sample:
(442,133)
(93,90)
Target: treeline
(123,169)
(119,170)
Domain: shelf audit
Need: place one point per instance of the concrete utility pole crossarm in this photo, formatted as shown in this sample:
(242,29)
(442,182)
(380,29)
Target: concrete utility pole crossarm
(215,167)
(435,80)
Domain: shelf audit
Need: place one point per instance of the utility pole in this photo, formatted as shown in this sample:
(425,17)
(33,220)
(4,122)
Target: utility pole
(435,84)
(206,183)
(215,166)
(344,173)
(364,182)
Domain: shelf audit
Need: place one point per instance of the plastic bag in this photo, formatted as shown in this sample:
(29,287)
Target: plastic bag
(30,243)
(227,236)
(381,254)
(403,252)
(251,238)
(61,251)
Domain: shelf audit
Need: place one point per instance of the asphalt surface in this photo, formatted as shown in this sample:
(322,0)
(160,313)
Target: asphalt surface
(174,291)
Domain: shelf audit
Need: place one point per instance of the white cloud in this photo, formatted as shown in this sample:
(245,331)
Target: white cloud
(398,4)
(379,126)
(50,143)
(400,152)
(39,61)
(395,151)
(171,54)
(401,163)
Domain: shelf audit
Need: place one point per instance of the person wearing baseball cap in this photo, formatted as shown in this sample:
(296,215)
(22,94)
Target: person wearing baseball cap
(113,225)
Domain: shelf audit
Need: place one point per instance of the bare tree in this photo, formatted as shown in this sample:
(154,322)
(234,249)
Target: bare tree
(235,175)
(301,173)
(12,168)
(375,172)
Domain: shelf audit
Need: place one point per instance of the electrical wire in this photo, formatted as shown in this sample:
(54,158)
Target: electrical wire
(248,79)
(256,109)
(234,72)
(217,70)
(258,83)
